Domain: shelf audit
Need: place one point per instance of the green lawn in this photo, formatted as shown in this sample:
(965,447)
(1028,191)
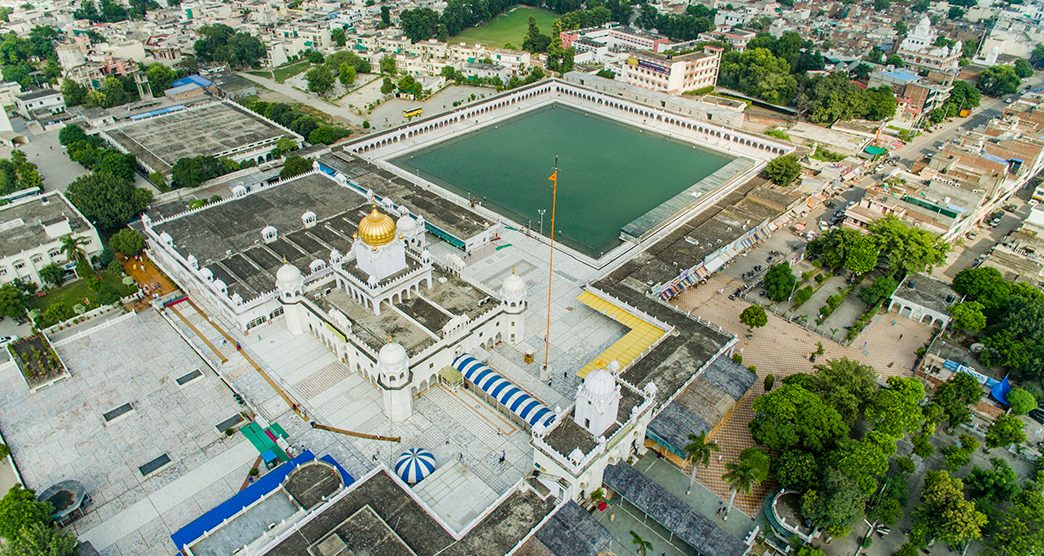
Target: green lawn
(72,293)
(508,27)
(286,71)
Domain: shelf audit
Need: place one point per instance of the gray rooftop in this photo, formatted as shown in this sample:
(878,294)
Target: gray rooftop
(212,130)
(22,223)
(393,520)
(687,524)
(246,526)
(571,531)
(226,237)
(437,210)
(39,93)
(703,403)
(567,435)
(927,292)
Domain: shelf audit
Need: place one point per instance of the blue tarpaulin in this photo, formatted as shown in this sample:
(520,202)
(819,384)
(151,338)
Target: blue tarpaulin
(1000,391)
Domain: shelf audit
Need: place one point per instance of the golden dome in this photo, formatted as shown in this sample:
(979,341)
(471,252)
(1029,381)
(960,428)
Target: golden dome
(377,229)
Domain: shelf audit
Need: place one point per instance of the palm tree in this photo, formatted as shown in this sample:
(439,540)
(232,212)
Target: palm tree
(751,469)
(72,246)
(698,451)
(643,546)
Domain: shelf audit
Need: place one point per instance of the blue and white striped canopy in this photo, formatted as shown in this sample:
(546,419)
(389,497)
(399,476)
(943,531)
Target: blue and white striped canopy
(415,464)
(504,391)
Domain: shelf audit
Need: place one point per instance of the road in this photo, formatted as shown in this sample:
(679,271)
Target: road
(307,99)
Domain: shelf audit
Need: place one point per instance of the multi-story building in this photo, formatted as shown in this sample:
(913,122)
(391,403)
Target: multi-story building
(918,50)
(673,74)
(617,37)
(915,96)
(31,236)
(41,101)
(738,38)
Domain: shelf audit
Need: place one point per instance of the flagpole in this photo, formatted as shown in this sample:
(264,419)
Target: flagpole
(546,374)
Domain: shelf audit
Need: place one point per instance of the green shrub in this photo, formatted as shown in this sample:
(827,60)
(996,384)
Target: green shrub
(778,134)
(802,295)
(770,380)
(820,278)
(737,357)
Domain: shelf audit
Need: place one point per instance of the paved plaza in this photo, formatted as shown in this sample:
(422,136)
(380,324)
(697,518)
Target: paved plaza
(61,433)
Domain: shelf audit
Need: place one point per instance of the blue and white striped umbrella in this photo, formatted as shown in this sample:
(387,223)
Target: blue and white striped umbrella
(415,464)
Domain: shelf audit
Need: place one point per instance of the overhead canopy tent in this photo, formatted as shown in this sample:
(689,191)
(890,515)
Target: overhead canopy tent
(504,391)
(415,464)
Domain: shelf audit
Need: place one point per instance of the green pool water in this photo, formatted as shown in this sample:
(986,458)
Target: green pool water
(609,173)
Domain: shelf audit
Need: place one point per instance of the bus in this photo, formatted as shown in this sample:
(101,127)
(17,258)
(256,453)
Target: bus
(410,113)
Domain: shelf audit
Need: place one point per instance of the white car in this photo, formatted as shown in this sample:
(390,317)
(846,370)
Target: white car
(4,340)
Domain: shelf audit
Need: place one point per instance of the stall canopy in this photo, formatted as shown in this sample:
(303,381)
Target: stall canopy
(504,391)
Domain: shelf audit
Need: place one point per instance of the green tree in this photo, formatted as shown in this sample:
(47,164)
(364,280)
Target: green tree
(1037,56)
(641,546)
(387,65)
(958,455)
(896,410)
(72,247)
(346,74)
(881,289)
(793,417)
(1020,527)
(73,93)
(750,471)
(39,539)
(320,80)
(419,24)
(760,73)
(698,453)
(160,77)
(293,166)
(386,16)
(1021,401)
(996,484)
(795,470)
(12,301)
(284,145)
(108,201)
(845,385)
(52,275)
(955,13)
(861,254)
(967,316)
(998,81)
(115,163)
(879,103)
(754,317)
(535,41)
(836,503)
(955,396)
(1023,68)
(1004,431)
(193,171)
(127,241)
(944,513)
(908,249)
(783,170)
(70,134)
(832,98)
(19,508)
(387,86)
(780,281)
(338,36)
(984,285)
(221,43)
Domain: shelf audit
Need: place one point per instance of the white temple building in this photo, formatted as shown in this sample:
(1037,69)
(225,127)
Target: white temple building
(918,50)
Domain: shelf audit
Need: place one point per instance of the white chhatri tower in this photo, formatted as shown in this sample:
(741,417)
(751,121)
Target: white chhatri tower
(513,298)
(378,252)
(411,230)
(597,401)
(290,283)
(393,376)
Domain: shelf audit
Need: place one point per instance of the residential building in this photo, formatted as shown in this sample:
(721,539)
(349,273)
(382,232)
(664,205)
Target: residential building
(915,95)
(738,38)
(39,102)
(31,232)
(673,74)
(1020,255)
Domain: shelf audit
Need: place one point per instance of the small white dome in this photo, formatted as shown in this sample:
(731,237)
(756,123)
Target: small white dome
(514,287)
(599,384)
(406,225)
(392,356)
(288,274)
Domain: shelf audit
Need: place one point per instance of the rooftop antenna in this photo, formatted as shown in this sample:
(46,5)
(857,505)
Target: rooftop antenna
(545,372)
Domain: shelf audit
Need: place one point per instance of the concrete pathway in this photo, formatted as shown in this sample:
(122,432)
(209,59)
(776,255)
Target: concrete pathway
(307,99)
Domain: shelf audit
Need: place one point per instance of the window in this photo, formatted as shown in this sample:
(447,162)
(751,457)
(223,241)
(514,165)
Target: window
(154,465)
(20,264)
(189,377)
(115,413)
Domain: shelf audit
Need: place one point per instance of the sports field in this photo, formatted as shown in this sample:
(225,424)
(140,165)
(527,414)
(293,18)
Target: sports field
(509,27)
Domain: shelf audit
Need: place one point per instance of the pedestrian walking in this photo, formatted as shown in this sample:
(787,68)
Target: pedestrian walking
(462,457)
(900,336)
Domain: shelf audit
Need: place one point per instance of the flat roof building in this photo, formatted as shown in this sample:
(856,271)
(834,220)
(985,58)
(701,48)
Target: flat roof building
(31,232)
(219,129)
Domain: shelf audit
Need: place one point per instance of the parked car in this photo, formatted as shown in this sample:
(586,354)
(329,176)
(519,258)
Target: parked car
(4,340)
(1010,207)
(971,235)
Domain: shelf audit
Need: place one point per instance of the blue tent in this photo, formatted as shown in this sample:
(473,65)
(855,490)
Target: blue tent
(415,464)
(1000,391)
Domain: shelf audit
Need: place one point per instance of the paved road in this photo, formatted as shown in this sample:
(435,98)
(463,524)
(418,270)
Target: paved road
(307,99)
